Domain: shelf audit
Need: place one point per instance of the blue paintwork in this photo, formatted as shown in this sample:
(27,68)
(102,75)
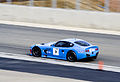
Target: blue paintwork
(80,51)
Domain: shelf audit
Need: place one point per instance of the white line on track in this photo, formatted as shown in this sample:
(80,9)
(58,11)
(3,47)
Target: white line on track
(101,31)
(59,62)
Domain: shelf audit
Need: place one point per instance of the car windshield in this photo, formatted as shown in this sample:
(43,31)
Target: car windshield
(82,43)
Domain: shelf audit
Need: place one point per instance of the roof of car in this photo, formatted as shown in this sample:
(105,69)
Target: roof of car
(72,40)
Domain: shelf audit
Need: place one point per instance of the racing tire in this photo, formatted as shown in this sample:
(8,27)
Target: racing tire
(71,56)
(36,51)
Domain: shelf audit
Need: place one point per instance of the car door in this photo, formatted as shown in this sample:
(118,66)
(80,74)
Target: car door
(60,49)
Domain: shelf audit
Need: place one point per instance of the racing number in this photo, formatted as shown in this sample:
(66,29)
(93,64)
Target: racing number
(55,51)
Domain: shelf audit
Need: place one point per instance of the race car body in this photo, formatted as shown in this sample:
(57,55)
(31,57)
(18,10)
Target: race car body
(67,49)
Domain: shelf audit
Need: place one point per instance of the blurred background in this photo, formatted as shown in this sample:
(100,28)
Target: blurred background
(42,21)
(93,5)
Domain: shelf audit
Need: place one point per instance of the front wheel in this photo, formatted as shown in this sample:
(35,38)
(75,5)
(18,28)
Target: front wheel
(71,56)
(36,51)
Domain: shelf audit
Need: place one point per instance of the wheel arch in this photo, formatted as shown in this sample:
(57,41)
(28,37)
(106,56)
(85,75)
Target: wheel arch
(69,52)
(36,46)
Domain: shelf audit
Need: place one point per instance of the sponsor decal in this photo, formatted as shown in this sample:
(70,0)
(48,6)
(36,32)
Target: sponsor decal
(79,51)
(55,51)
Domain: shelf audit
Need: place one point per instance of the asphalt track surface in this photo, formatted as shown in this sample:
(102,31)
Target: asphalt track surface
(18,39)
(59,70)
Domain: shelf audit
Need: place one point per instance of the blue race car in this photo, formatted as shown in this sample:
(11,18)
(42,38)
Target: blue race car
(67,49)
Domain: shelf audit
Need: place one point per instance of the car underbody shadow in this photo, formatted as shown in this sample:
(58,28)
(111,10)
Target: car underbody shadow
(86,60)
(81,60)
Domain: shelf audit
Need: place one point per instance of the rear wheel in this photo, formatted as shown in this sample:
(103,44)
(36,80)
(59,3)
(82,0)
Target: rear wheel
(71,56)
(36,51)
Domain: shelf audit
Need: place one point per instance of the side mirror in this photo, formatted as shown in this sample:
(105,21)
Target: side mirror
(71,45)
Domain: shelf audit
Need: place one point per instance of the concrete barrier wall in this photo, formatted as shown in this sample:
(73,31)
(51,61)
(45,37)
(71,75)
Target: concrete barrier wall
(63,17)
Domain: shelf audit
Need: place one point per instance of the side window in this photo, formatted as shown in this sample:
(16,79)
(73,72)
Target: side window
(63,44)
(82,43)
(59,44)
